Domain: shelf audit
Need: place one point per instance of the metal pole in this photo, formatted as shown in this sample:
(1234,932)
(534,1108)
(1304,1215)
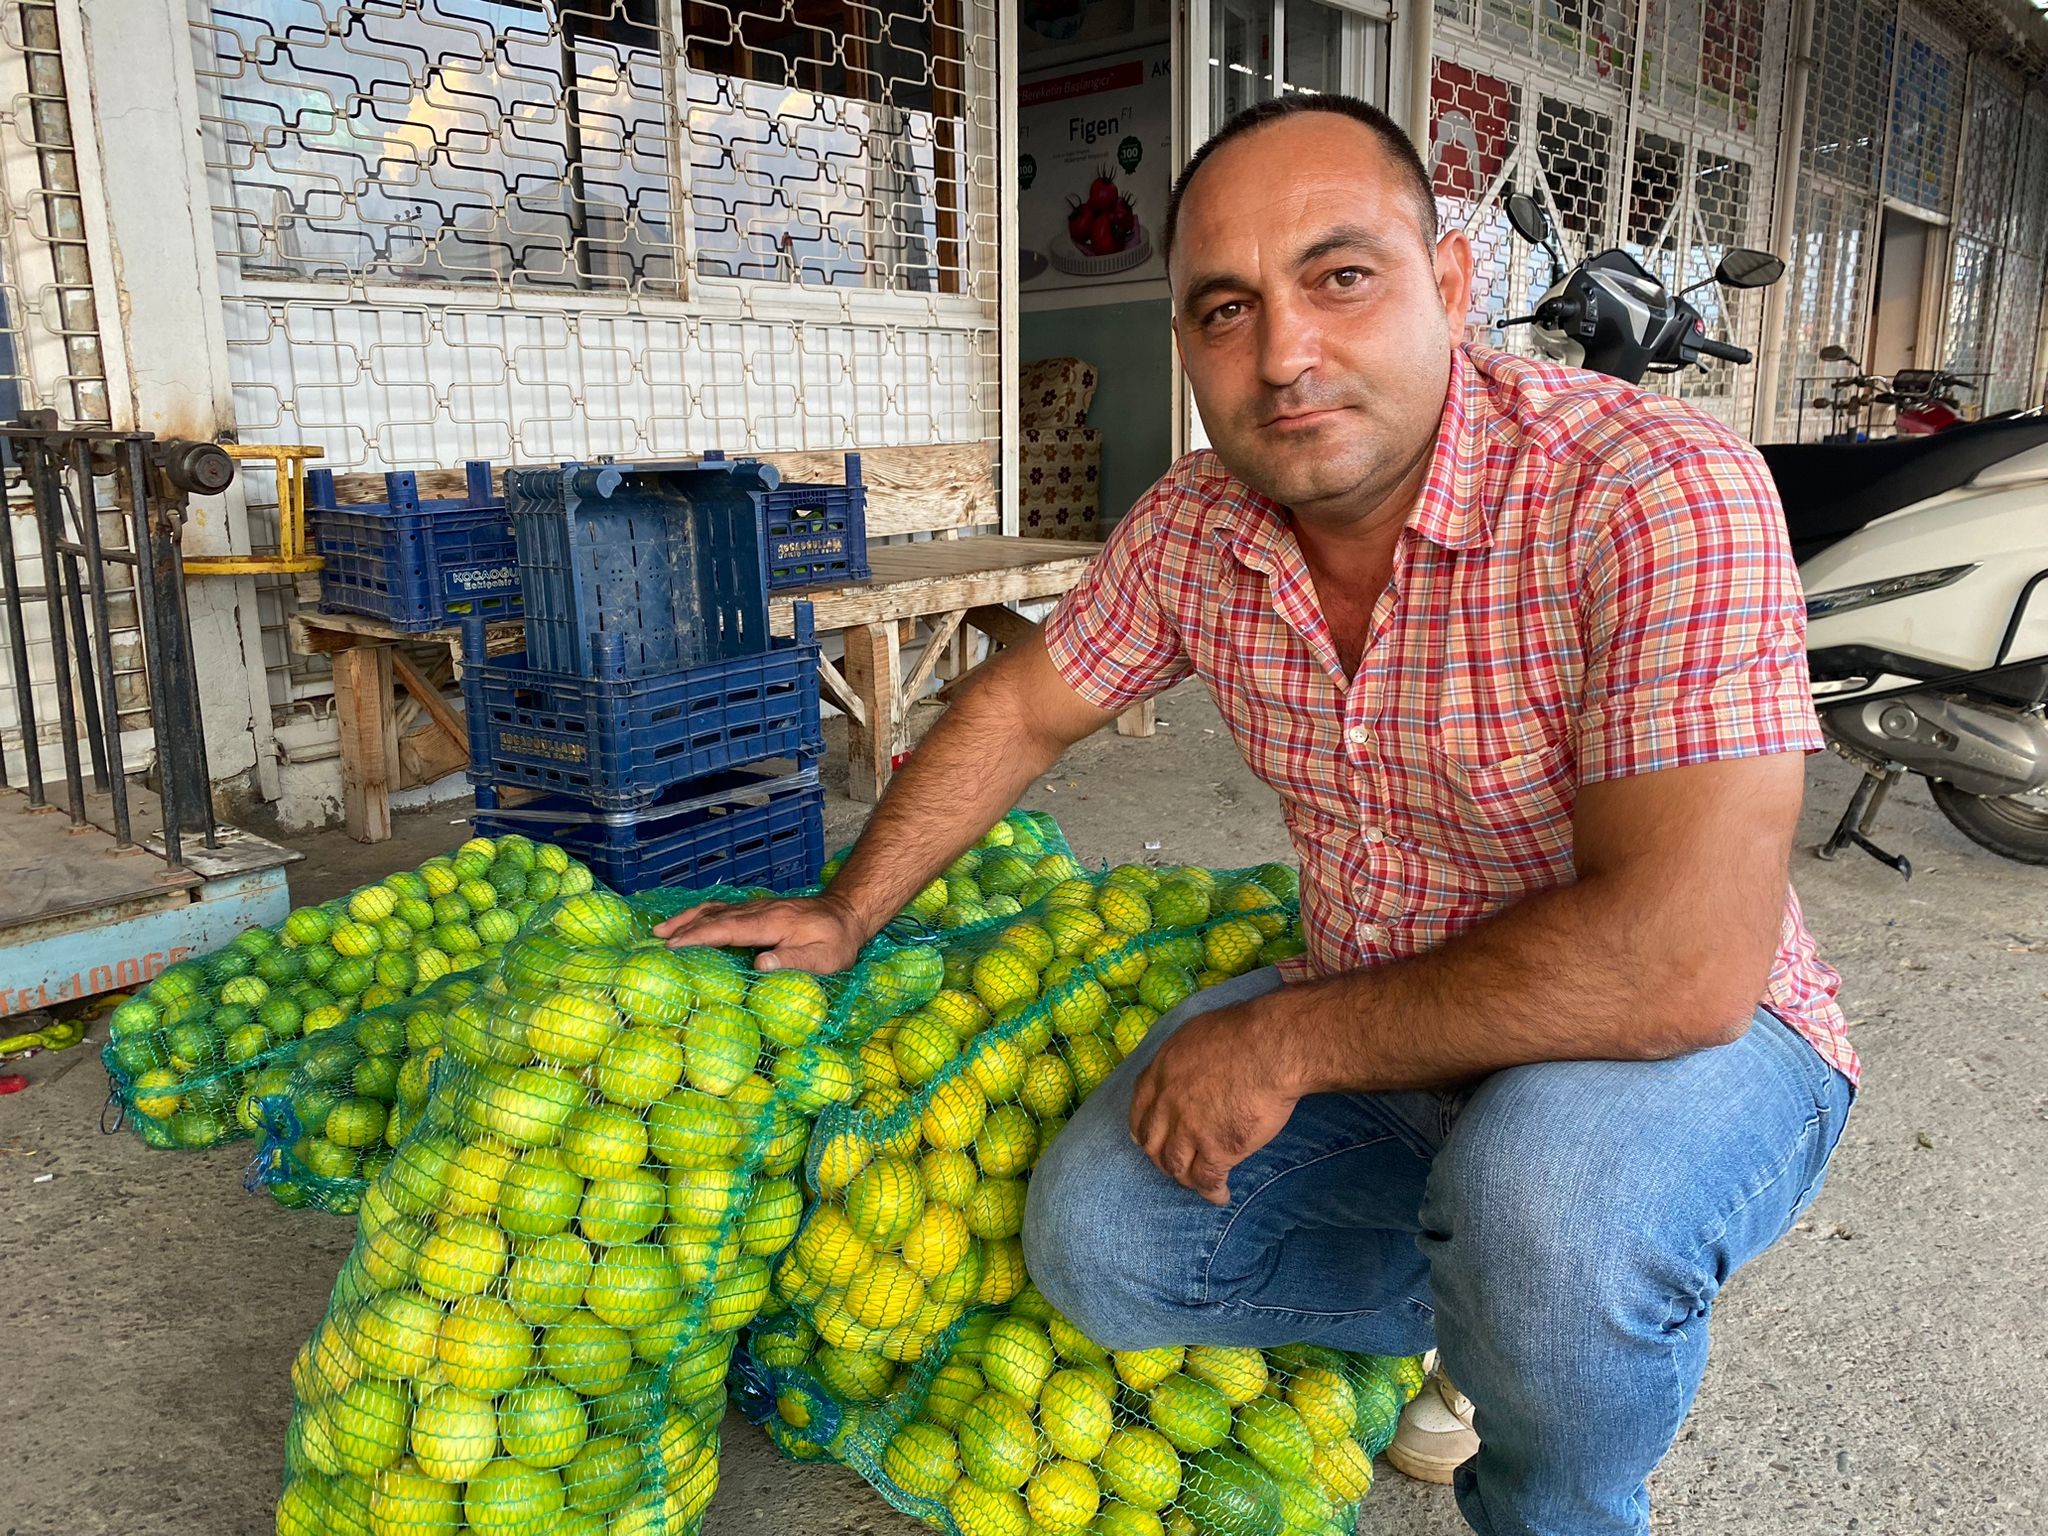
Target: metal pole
(74,607)
(50,517)
(17,643)
(144,539)
(202,788)
(89,532)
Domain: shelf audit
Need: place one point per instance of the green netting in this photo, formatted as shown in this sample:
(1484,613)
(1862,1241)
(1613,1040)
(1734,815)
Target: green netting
(1018,1423)
(909,1343)
(181,1054)
(1016,862)
(532,1331)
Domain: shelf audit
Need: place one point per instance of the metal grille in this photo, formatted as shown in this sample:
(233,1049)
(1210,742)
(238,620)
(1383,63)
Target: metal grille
(1667,149)
(50,357)
(1994,291)
(531,230)
(1828,250)
(1926,114)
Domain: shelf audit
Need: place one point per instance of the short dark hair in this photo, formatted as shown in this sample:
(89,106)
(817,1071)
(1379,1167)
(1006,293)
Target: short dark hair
(1399,147)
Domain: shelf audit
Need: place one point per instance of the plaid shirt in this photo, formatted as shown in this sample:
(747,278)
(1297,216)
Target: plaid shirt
(1594,583)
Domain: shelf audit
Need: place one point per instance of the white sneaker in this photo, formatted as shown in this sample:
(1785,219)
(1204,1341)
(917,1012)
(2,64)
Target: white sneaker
(1435,1436)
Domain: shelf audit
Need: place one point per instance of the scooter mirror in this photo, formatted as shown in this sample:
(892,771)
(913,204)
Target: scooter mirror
(1744,268)
(1527,218)
(1834,352)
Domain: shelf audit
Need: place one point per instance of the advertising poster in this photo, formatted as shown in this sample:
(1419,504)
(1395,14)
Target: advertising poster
(1096,162)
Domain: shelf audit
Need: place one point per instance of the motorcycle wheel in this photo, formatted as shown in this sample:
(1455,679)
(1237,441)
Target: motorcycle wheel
(2013,826)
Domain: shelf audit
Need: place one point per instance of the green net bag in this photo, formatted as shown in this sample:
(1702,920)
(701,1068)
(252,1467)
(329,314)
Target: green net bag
(333,1105)
(920,1182)
(1020,1424)
(1014,863)
(533,1330)
(181,1053)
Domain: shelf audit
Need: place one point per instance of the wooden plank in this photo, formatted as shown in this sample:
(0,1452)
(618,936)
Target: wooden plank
(426,756)
(834,683)
(1002,625)
(1141,719)
(430,699)
(871,671)
(972,573)
(934,648)
(369,739)
(914,489)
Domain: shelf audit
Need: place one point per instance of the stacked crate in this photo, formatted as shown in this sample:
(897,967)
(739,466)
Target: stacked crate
(417,565)
(651,726)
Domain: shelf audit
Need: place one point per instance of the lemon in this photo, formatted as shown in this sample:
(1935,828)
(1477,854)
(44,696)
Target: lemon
(960,1285)
(454,1434)
(791,1006)
(949,1175)
(997,1066)
(1343,1469)
(367,1425)
(721,1046)
(483,1345)
(394,1333)
(1063,1497)
(954,1114)
(692,1129)
(858,1375)
(1232,947)
(1326,1403)
(1005,975)
(1017,1357)
(461,1259)
(831,1249)
(546,1280)
(619,1208)
(1141,1467)
(638,1067)
(1190,1413)
(885,1294)
(936,1242)
(1091,1059)
(771,1218)
(884,1202)
(585,1355)
(509,1498)
(922,1459)
(632,1285)
(981,1511)
(998,1442)
(954,1387)
(996,1208)
(1275,1436)
(1074,1411)
(1238,1373)
(1002,1273)
(542,1423)
(1048,1087)
(923,1044)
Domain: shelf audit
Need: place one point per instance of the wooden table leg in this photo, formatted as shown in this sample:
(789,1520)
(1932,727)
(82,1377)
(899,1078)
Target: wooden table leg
(872,671)
(369,739)
(1141,719)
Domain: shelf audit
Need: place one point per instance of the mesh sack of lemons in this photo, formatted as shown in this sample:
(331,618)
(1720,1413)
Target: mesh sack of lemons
(920,1182)
(180,1053)
(332,1106)
(533,1329)
(1019,1425)
(1013,864)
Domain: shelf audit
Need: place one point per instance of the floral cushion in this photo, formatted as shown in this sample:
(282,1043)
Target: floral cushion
(1060,470)
(1055,392)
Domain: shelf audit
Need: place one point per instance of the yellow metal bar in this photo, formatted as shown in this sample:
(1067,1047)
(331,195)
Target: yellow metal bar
(294,549)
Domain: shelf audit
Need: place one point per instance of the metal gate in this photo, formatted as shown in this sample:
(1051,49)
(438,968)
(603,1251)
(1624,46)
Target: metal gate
(1653,127)
(530,230)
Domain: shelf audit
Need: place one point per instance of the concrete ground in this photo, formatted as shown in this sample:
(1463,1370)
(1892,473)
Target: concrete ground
(1880,1371)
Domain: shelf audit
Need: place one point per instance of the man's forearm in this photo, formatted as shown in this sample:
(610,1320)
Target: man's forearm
(966,773)
(1584,972)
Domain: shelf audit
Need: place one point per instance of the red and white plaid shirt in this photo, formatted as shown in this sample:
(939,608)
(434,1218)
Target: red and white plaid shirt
(1594,583)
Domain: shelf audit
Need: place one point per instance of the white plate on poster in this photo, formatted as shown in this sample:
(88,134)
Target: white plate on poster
(1075,262)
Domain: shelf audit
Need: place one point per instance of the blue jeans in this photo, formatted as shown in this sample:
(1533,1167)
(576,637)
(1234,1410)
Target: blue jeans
(1560,1232)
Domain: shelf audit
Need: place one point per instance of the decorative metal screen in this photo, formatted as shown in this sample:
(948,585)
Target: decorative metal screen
(2001,219)
(1664,144)
(535,230)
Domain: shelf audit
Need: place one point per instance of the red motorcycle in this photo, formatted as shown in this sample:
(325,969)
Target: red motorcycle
(1926,401)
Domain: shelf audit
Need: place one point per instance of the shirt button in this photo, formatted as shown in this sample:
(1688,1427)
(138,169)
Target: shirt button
(1359,735)
(1375,834)
(1373,933)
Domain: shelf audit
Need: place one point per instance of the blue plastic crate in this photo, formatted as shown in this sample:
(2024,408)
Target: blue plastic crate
(750,827)
(666,557)
(416,564)
(814,532)
(617,742)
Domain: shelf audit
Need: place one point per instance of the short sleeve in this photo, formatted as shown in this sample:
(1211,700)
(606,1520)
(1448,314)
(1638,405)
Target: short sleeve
(1694,625)
(1110,637)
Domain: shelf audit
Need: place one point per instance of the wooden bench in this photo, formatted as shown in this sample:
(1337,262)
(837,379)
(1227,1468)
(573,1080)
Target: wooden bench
(948,584)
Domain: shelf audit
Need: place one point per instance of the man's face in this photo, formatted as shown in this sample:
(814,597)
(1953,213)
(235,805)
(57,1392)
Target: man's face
(1312,314)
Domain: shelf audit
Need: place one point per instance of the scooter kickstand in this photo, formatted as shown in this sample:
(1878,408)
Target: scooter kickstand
(1854,827)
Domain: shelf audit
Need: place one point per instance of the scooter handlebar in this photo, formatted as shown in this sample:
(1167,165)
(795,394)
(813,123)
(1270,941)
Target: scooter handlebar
(1706,346)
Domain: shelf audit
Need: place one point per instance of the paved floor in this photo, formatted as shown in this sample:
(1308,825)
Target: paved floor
(1881,1371)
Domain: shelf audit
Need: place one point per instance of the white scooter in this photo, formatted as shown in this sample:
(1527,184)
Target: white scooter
(1925,563)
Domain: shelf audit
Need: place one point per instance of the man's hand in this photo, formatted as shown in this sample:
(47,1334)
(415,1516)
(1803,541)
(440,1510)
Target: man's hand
(808,933)
(1208,1101)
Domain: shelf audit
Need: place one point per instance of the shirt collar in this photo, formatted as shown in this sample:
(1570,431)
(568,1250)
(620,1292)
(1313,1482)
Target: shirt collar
(1450,510)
